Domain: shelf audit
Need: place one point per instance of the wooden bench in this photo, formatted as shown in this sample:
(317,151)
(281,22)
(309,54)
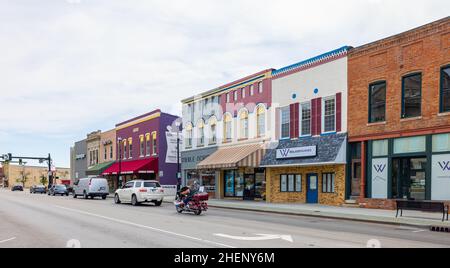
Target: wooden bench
(428,206)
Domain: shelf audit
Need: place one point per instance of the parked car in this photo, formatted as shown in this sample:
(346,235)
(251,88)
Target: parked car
(59,189)
(91,187)
(17,188)
(38,189)
(139,191)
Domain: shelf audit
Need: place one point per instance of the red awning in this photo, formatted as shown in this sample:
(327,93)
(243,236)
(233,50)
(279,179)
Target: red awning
(149,165)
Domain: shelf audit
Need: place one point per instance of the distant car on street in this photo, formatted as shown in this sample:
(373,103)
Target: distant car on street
(59,189)
(38,189)
(140,191)
(91,187)
(17,188)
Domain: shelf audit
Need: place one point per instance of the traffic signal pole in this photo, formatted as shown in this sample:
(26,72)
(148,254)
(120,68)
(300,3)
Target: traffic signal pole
(9,157)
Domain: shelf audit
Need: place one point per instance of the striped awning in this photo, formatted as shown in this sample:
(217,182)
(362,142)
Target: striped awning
(232,157)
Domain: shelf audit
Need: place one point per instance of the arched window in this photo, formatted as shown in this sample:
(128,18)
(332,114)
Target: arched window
(130,150)
(213,128)
(155,143)
(147,144)
(141,146)
(189,135)
(227,121)
(125,149)
(261,121)
(201,133)
(243,124)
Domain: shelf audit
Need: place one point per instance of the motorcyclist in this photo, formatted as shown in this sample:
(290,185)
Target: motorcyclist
(188,193)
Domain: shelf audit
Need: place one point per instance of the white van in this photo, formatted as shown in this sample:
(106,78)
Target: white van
(91,187)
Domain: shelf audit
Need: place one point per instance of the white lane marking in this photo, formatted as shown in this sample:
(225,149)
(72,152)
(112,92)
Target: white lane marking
(144,227)
(259,237)
(7,240)
(418,231)
(73,243)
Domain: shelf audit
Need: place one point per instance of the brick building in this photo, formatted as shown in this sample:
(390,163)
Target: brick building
(399,117)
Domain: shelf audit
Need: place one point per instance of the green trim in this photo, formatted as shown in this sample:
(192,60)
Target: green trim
(389,167)
(403,94)
(428,171)
(369,170)
(98,169)
(370,100)
(441,88)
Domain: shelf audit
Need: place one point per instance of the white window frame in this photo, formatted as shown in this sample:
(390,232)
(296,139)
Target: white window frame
(323,114)
(244,93)
(235,95)
(260,87)
(252,90)
(301,119)
(281,122)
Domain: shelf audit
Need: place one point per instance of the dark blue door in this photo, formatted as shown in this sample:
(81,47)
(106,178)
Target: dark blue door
(312,194)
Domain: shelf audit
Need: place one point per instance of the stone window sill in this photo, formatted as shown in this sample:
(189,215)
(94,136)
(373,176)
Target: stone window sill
(376,124)
(411,119)
(444,114)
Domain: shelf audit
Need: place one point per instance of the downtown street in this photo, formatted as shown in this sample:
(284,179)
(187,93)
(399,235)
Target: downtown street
(28,220)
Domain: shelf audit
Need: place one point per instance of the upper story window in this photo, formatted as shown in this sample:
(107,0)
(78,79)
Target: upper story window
(130,149)
(412,95)
(243,92)
(228,97)
(445,89)
(188,136)
(147,144)
(252,90)
(235,93)
(111,152)
(243,119)
(213,128)
(141,146)
(105,156)
(155,143)
(201,133)
(125,149)
(227,121)
(305,119)
(261,121)
(377,102)
(260,87)
(285,121)
(329,114)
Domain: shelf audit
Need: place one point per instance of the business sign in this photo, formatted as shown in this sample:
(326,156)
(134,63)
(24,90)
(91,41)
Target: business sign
(440,177)
(379,178)
(297,152)
(171,138)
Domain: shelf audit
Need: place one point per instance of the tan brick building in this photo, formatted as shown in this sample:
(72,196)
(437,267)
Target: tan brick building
(399,117)
(33,175)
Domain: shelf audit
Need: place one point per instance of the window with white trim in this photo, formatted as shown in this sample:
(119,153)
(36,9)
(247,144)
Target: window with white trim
(285,122)
(329,114)
(328,182)
(260,87)
(305,119)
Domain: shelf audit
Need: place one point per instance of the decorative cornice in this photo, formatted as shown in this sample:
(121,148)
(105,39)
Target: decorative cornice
(402,38)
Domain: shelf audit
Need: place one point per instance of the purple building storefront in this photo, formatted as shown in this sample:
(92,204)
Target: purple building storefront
(142,149)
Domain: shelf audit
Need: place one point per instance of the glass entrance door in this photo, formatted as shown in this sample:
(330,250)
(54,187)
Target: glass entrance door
(249,187)
(409,178)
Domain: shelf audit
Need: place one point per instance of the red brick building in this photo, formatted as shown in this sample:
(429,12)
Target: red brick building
(399,117)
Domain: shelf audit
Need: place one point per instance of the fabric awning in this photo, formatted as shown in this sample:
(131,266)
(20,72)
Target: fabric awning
(98,169)
(149,165)
(237,156)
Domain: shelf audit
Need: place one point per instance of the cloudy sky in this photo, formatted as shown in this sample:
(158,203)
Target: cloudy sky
(68,67)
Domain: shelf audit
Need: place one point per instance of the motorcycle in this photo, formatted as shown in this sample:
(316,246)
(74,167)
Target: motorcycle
(197,204)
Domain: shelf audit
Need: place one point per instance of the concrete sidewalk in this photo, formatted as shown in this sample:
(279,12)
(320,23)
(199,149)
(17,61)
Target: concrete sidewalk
(414,218)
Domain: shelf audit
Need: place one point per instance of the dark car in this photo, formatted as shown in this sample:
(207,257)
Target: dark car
(38,189)
(17,188)
(59,189)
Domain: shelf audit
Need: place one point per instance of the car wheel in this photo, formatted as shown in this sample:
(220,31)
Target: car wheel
(104,197)
(134,201)
(116,199)
(198,212)
(158,203)
(74,195)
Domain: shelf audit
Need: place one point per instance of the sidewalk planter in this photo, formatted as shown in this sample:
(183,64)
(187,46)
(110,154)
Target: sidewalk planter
(399,123)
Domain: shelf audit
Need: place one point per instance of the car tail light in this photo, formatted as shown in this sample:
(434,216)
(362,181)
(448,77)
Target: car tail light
(143,190)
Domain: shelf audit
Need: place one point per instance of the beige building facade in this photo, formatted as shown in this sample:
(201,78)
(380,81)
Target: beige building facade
(32,175)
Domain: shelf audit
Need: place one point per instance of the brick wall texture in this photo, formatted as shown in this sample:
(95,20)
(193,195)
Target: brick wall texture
(274,195)
(426,50)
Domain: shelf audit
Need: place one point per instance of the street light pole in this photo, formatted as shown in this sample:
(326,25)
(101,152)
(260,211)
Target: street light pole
(178,161)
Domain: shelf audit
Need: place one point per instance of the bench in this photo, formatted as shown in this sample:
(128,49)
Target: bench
(428,206)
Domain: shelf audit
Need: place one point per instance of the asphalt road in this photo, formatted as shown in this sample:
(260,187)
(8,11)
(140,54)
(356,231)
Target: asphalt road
(43,221)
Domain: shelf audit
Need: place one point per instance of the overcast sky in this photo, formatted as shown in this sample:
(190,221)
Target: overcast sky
(68,67)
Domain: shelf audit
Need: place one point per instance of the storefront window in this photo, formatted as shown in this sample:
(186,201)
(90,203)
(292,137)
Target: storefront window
(260,185)
(409,145)
(283,186)
(239,185)
(229,183)
(441,143)
(328,183)
(380,148)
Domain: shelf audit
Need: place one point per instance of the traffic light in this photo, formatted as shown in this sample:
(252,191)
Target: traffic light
(9,157)
(20,162)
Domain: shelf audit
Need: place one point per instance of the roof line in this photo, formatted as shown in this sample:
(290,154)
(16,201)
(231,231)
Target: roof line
(298,65)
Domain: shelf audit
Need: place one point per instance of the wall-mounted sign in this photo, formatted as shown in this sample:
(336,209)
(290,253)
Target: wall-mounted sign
(440,177)
(297,152)
(80,156)
(380,169)
(136,129)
